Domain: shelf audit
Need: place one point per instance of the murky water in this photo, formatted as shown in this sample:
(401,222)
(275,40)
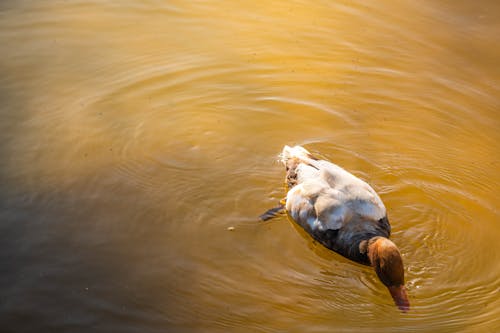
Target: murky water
(134,134)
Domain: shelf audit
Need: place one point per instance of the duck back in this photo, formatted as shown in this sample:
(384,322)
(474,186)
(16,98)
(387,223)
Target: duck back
(335,207)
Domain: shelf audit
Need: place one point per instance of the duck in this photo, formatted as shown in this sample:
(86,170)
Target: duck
(344,214)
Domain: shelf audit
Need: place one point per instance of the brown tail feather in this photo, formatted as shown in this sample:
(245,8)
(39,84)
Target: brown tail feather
(291,173)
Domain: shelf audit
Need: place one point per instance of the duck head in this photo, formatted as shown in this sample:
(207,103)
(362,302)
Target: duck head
(386,259)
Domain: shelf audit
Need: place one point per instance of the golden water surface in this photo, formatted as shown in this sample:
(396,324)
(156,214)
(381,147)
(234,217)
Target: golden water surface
(134,134)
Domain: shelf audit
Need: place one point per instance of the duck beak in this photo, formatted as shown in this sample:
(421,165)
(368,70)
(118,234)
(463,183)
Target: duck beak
(400,297)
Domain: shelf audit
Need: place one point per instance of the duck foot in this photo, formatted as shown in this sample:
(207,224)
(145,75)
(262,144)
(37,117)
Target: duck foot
(273,212)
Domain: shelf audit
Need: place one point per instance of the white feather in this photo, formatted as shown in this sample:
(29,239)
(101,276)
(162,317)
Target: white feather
(327,196)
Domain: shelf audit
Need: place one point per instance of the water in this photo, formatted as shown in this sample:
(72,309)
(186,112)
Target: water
(133,135)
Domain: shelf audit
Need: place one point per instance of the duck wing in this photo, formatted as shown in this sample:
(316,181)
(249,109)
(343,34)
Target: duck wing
(315,206)
(324,196)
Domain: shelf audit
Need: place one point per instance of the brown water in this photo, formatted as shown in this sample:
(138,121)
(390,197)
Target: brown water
(134,134)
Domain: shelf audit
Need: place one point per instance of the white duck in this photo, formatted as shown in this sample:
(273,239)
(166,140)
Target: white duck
(344,214)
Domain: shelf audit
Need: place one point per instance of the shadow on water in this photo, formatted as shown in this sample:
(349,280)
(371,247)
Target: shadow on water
(69,254)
